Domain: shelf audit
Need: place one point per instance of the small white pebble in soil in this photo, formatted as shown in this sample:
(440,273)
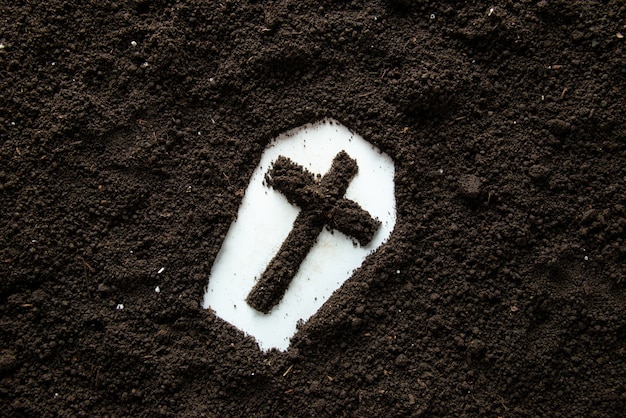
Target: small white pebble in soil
(157,289)
(586,258)
(119,306)
(397,271)
(2,46)
(161,270)
(432,16)
(144,65)
(133,43)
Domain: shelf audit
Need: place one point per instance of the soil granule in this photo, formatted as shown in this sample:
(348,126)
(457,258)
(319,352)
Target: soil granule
(129,131)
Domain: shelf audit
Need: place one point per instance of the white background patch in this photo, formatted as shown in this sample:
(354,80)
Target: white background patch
(265,218)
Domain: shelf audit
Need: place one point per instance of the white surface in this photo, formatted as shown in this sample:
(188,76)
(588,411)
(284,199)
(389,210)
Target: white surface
(265,219)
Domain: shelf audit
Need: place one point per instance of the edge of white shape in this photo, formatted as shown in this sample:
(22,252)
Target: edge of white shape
(265,218)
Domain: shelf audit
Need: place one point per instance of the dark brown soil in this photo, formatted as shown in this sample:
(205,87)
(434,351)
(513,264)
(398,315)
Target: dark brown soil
(322,204)
(130,129)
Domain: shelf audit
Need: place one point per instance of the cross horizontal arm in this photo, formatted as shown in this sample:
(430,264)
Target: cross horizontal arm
(290,179)
(352,220)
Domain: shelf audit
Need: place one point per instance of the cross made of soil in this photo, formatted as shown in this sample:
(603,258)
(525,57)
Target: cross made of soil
(322,204)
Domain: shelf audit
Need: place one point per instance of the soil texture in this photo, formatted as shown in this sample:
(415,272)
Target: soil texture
(129,131)
(321,204)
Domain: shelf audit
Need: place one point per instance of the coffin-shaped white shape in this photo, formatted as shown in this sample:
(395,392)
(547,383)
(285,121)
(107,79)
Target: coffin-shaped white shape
(265,218)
